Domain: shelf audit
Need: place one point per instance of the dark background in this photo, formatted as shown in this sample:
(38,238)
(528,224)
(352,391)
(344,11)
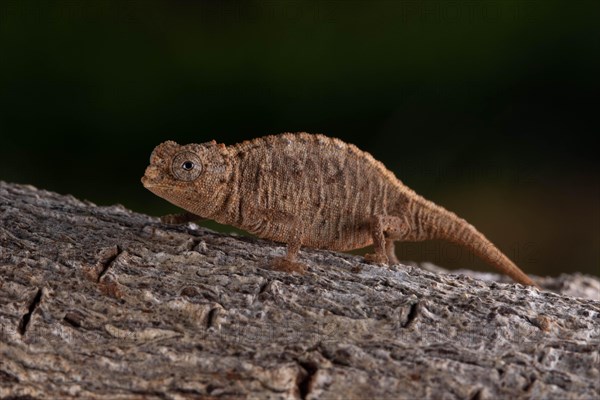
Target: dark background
(486,108)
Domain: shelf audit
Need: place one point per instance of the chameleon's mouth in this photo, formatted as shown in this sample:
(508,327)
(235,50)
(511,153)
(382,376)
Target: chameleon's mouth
(156,188)
(151,178)
(146,182)
(150,184)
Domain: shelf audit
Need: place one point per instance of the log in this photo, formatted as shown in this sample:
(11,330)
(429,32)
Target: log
(103,302)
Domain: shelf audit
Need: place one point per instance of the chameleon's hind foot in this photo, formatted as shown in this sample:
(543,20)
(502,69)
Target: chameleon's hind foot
(376,258)
(285,265)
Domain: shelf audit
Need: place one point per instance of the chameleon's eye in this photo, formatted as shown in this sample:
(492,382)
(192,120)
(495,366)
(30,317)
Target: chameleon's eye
(186,166)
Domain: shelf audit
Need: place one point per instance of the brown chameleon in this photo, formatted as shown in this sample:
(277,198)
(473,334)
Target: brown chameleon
(308,190)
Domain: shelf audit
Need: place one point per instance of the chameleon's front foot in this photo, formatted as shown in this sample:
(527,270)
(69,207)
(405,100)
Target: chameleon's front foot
(286,265)
(376,258)
(176,219)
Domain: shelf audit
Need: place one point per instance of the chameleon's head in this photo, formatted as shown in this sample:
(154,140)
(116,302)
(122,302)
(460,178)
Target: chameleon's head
(191,176)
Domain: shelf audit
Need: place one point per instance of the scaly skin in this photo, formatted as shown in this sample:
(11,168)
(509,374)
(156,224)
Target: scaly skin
(308,190)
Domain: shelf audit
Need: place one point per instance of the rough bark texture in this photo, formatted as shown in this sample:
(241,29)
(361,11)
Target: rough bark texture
(101,302)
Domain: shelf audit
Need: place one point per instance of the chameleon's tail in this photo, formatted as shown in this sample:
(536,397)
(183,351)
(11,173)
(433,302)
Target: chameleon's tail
(439,223)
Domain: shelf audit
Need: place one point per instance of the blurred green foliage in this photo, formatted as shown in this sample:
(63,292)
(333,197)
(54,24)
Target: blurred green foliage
(487,108)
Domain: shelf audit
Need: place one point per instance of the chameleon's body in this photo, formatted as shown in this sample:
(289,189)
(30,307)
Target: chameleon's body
(308,190)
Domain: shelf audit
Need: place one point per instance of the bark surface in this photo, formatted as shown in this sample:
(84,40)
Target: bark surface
(102,302)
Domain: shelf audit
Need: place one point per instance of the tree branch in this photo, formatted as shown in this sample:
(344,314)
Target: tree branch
(101,302)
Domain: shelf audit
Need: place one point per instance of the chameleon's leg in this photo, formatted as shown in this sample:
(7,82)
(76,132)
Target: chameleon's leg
(182,218)
(390,251)
(288,263)
(385,229)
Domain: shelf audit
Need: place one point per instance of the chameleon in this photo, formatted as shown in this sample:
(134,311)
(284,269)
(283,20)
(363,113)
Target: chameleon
(308,190)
